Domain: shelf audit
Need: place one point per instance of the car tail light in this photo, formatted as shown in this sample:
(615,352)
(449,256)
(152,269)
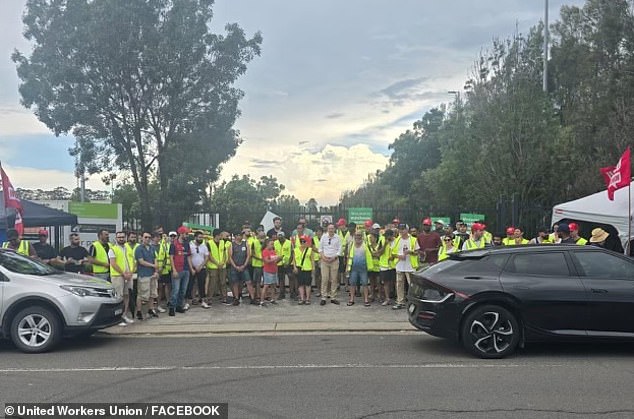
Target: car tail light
(429,291)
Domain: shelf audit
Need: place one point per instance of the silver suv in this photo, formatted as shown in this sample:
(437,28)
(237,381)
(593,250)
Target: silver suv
(39,304)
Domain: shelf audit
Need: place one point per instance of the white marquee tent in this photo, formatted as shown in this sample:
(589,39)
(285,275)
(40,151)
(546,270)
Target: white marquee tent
(597,208)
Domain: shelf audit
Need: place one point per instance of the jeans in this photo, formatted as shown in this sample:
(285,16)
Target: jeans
(179,288)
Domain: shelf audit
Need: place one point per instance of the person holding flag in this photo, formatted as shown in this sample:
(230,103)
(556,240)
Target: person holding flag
(11,200)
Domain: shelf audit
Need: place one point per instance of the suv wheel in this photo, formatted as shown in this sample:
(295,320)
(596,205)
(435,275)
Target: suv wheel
(35,329)
(490,332)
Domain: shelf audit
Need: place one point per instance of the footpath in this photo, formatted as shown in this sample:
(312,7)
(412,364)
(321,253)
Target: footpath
(285,317)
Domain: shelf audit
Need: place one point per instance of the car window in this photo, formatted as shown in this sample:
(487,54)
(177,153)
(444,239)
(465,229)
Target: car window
(491,264)
(539,263)
(24,265)
(604,265)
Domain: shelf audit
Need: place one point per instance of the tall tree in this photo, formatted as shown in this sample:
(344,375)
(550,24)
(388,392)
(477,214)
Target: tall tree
(143,85)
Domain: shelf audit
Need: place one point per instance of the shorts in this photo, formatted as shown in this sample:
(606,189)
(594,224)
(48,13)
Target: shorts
(239,277)
(165,279)
(154,287)
(388,276)
(358,278)
(270,278)
(143,288)
(304,278)
(118,284)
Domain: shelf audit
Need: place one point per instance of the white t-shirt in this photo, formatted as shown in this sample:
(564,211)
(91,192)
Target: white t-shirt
(199,252)
(405,265)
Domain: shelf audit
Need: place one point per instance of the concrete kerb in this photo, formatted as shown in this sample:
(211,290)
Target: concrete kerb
(286,317)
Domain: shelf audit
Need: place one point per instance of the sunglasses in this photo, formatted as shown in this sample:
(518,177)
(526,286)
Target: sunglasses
(447,240)
(147,237)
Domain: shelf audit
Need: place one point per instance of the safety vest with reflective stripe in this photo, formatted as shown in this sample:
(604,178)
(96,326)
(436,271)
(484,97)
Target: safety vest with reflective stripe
(131,251)
(471,244)
(316,255)
(163,257)
(256,250)
(385,260)
(120,259)
(217,252)
(442,252)
(582,241)
(284,250)
(369,262)
(303,261)
(23,249)
(101,256)
(412,245)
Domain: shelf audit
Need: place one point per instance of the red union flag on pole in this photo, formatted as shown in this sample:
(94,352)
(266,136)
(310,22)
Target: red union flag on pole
(12,201)
(619,176)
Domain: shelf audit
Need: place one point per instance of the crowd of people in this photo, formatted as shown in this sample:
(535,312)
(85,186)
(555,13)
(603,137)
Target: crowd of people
(170,272)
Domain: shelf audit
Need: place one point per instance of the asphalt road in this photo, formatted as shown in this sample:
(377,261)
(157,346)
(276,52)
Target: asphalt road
(335,376)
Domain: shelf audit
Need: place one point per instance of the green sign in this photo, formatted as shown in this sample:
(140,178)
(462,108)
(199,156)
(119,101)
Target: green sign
(359,215)
(469,218)
(94,210)
(446,220)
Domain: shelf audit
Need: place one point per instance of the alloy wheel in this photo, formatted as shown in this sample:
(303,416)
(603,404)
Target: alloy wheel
(492,333)
(34,330)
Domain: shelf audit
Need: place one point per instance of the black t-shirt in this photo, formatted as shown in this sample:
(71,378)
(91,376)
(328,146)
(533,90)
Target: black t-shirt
(77,253)
(272,232)
(44,250)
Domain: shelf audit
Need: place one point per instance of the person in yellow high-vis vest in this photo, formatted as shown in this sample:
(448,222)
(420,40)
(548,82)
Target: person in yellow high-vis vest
(165,269)
(319,232)
(283,248)
(405,249)
(98,255)
(510,233)
(216,266)
(387,265)
(447,247)
(574,233)
(131,246)
(518,238)
(18,245)
(303,267)
(477,240)
(360,261)
(374,280)
(121,265)
(257,244)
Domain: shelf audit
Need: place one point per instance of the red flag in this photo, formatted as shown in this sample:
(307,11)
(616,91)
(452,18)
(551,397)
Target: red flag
(619,176)
(12,201)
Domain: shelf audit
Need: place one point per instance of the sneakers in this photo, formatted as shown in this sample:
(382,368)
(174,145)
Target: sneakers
(398,306)
(152,313)
(236,302)
(180,309)
(385,303)
(322,303)
(186,307)
(123,324)
(160,309)
(204,305)
(139,315)
(172,312)
(335,301)
(127,319)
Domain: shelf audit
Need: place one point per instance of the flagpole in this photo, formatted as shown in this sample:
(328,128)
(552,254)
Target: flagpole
(629,218)
(4,209)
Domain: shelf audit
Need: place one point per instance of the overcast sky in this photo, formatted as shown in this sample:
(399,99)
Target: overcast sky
(336,83)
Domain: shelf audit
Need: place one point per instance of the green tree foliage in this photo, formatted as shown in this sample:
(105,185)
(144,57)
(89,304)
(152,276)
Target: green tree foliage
(144,86)
(504,137)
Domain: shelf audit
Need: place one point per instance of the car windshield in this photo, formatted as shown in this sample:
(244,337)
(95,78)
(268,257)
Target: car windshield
(24,265)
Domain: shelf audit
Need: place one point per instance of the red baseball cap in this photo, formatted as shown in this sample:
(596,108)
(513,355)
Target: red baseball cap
(427,222)
(42,232)
(182,230)
(510,231)
(368,223)
(477,227)
(341,222)
(573,226)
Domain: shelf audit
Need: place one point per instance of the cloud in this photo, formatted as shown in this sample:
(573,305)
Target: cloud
(398,89)
(32,178)
(335,115)
(323,174)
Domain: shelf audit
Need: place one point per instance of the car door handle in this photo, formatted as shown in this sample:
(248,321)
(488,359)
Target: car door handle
(472,277)
(599,291)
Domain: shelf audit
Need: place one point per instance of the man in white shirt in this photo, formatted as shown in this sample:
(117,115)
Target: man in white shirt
(329,250)
(200,255)
(405,249)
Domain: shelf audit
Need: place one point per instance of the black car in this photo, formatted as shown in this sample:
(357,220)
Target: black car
(495,299)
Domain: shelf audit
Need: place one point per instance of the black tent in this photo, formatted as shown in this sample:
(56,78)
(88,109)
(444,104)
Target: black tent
(36,215)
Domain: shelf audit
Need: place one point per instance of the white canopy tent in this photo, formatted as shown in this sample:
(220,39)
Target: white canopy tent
(597,208)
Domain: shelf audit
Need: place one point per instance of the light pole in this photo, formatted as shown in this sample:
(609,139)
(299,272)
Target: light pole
(545,81)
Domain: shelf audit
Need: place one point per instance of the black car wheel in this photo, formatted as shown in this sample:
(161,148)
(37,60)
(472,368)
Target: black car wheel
(35,329)
(490,332)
